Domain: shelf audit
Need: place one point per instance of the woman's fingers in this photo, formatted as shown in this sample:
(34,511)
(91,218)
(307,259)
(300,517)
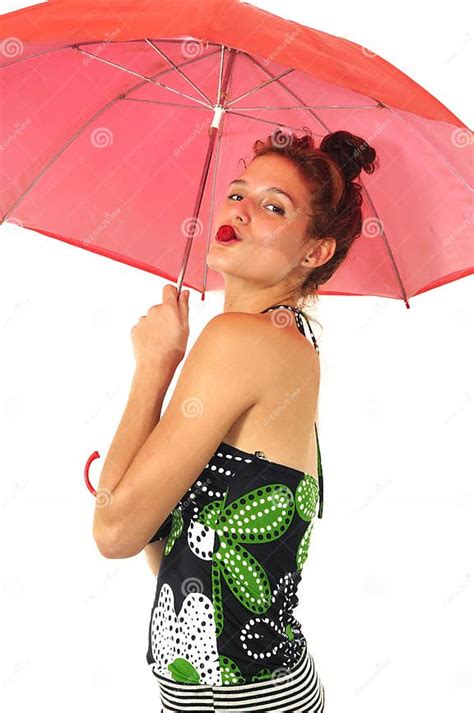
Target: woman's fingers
(169,292)
(184,304)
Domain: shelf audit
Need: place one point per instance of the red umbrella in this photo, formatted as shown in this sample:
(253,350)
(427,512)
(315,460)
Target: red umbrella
(122,127)
(123,123)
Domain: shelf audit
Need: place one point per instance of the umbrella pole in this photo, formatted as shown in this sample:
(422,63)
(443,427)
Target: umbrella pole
(193,223)
(213,131)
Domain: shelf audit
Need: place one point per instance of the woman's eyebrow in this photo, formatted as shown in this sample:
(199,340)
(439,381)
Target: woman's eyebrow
(274,189)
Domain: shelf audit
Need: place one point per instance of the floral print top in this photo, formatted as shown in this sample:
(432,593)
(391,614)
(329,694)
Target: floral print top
(225,594)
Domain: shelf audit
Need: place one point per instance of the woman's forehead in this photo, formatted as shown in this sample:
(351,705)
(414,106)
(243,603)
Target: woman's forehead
(274,171)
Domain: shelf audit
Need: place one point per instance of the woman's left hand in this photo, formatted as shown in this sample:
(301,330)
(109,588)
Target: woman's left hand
(160,338)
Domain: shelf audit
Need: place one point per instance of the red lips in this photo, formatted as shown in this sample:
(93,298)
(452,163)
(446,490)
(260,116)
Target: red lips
(226,233)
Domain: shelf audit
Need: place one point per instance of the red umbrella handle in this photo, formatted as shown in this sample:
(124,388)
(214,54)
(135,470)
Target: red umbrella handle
(92,457)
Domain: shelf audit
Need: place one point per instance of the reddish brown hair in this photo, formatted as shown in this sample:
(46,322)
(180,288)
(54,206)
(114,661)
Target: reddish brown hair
(335,202)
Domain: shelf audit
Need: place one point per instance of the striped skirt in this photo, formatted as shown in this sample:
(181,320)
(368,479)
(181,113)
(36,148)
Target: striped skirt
(299,691)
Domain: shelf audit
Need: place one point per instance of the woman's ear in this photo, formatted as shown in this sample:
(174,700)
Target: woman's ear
(319,255)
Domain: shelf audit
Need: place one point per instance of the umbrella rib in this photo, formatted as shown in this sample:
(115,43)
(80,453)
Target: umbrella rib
(260,86)
(94,42)
(265,121)
(289,91)
(138,74)
(157,101)
(387,245)
(186,78)
(216,166)
(37,54)
(79,131)
(222,88)
(371,202)
(310,106)
(426,140)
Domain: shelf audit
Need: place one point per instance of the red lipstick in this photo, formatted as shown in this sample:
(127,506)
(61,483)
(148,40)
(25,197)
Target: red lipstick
(226,234)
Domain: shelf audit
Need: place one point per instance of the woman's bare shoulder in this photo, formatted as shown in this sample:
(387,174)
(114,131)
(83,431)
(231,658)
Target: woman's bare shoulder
(252,328)
(257,343)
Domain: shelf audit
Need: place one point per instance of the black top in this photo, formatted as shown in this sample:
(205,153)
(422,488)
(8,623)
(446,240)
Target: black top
(236,544)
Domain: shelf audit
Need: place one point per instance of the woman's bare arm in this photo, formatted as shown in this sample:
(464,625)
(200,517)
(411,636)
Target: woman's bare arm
(154,555)
(183,441)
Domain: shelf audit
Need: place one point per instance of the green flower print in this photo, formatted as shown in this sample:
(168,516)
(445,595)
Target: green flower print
(261,515)
(306,498)
(175,532)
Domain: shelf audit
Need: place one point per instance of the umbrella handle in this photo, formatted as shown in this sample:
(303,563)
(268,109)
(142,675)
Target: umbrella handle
(92,457)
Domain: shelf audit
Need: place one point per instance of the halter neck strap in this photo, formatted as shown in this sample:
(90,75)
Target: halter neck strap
(299,322)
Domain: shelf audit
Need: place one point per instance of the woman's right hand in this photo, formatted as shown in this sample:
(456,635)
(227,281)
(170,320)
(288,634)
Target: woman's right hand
(160,338)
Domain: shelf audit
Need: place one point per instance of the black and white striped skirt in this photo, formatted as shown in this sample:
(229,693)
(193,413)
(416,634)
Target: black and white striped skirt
(299,691)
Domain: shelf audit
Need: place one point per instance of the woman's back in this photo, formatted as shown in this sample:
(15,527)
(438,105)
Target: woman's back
(281,424)
(222,628)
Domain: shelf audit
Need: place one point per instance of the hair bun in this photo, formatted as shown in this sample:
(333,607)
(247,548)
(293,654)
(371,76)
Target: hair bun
(351,153)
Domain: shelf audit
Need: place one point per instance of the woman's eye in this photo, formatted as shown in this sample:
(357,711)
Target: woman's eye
(272,204)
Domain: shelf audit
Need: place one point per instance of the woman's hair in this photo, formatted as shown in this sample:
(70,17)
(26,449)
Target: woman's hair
(335,202)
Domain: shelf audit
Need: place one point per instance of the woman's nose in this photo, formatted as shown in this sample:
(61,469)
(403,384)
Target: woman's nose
(240,212)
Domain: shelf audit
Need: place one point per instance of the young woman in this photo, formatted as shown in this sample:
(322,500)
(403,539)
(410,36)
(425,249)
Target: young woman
(233,540)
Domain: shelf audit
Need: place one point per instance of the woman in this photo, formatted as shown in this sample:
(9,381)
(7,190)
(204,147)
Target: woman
(222,633)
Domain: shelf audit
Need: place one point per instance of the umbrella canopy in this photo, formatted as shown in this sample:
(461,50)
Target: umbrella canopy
(123,123)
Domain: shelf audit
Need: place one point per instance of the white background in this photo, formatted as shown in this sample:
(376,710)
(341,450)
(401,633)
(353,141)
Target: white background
(386,596)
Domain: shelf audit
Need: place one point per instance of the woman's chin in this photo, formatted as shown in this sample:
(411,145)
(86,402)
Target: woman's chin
(216,258)
(213,262)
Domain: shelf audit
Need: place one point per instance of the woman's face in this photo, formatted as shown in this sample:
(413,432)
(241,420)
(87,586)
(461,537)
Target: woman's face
(272,225)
